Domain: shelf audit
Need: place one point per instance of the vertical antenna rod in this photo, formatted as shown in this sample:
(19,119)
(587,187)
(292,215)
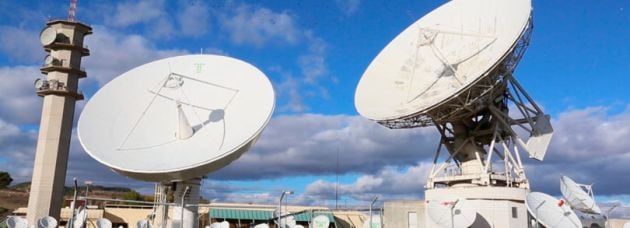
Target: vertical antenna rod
(72,12)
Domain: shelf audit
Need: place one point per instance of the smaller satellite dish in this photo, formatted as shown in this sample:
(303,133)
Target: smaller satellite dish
(576,196)
(79,218)
(289,221)
(550,211)
(48,36)
(224,224)
(103,223)
(215,225)
(143,224)
(51,61)
(320,221)
(47,222)
(262,225)
(376,222)
(16,222)
(458,213)
(298,226)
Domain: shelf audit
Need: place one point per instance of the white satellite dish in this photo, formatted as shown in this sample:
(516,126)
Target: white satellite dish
(16,222)
(440,56)
(577,197)
(224,224)
(289,221)
(47,222)
(48,36)
(177,118)
(103,223)
(551,212)
(457,213)
(262,225)
(320,221)
(79,218)
(143,223)
(215,225)
(376,222)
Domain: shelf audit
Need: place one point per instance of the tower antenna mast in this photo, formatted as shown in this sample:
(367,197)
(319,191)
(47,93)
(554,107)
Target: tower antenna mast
(72,12)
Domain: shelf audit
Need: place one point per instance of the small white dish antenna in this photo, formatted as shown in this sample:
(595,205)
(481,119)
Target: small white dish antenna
(103,223)
(224,224)
(143,224)
(289,221)
(298,226)
(457,213)
(262,225)
(215,225)
(48,36)
(47,222)
(577,198)
(320,221)
(551,212)
(16,222)
(177,118)
(376,222)
(79,218)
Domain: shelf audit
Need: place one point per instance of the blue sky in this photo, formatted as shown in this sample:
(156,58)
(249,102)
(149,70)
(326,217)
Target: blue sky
(314,52)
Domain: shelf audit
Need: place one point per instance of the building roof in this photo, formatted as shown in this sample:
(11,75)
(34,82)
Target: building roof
(304,216)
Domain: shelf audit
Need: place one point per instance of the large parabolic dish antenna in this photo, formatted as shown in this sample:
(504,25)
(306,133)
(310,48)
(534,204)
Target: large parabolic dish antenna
(439,57)
(177,118)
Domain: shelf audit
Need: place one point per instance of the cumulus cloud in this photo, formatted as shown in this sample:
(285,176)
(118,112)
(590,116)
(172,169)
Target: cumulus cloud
(21,45)
(194,19)
(130,13)
(114,53)
(17,151)
(309,145)
(18,102)
(348,7)
(590,146)
(256,26)
(389,183)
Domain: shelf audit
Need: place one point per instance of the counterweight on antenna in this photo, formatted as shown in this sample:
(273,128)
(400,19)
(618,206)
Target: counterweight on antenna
(72,12)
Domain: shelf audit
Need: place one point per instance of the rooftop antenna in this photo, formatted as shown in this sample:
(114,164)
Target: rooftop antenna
(72,12)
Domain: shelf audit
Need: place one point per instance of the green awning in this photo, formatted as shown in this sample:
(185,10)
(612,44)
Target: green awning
(307,216)
(262,215)
(240,214)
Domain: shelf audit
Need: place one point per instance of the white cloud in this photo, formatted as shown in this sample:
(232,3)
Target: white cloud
(114,53)
(306,144)
(257,26)
(194,19)
(389,183)
(21,45)
(130,13)
(349,7)
(18,102)
(313,63)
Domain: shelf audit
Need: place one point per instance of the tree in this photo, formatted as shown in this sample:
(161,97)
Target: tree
(132,195)
(5,179)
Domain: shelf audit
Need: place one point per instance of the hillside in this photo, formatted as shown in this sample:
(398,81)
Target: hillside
(16,196)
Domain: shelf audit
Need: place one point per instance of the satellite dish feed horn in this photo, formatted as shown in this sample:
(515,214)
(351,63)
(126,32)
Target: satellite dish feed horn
(185,130)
